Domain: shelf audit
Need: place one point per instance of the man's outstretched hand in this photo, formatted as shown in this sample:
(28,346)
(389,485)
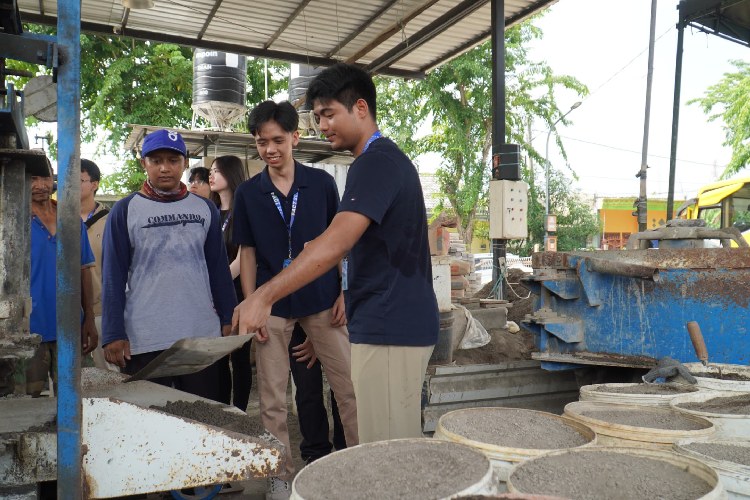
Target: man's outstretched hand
(251,316)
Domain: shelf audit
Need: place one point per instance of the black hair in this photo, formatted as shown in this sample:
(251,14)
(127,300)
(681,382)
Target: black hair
(282,113)
(198,173)
(92,169)
(346,84)
(233,170)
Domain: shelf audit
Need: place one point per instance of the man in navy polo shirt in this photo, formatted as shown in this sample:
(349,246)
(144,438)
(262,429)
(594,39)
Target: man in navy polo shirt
(276,214)
(391,305)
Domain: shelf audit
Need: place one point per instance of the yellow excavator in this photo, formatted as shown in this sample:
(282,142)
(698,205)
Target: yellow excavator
(721,204)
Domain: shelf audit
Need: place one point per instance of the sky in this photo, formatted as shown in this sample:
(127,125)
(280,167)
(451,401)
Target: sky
(604,44)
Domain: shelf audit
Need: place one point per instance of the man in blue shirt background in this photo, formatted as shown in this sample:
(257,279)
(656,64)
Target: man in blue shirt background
(43,319)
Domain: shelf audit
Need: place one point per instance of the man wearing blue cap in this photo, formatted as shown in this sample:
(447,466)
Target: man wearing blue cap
(165,275)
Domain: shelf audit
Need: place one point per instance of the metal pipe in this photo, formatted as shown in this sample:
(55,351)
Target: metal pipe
(546,164)
(497,16)
(69,476)
(643,173)
(675,116)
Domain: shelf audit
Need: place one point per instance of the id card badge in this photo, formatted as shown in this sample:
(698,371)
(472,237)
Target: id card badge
(286,263)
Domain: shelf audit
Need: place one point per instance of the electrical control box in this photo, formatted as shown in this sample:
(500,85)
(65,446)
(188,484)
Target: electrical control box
(508,210)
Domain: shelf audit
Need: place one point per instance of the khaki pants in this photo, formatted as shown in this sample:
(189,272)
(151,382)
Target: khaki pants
(388,384)
(272,365)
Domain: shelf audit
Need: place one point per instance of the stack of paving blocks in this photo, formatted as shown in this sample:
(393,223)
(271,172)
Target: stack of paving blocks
(464,280)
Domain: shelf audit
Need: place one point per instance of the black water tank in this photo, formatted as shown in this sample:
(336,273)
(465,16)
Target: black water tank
(298,85)
(218,76)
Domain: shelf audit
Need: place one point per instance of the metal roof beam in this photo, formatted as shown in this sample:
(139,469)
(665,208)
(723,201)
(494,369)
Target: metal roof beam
(108,30)
(286,23)
(435,28)
(457,51)
(209,18)
(509,21)
(359,29)
(390,31)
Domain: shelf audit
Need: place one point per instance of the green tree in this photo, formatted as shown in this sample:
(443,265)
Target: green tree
(126,81)
(728,101)
(576,220)
(457,98)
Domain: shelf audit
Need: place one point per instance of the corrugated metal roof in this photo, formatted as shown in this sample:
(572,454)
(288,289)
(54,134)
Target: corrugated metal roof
(397,37)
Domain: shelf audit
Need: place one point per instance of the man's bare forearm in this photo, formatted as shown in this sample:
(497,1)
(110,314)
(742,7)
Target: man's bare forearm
(248,270)
(87,292)
(319,256)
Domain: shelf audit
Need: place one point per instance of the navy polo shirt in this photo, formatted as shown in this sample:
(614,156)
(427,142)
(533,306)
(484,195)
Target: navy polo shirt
(257,223)
(390,299)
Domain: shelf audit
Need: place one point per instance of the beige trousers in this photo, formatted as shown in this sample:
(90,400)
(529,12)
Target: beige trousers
(272,364)
(388,384)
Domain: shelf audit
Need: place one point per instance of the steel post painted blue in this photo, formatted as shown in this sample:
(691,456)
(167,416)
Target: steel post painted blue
(68,253)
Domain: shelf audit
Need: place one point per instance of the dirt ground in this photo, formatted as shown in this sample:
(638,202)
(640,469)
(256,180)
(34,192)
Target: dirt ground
(504,346)
(520,306)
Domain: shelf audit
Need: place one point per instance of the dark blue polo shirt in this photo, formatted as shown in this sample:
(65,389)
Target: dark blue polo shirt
(390,300)
(257,223)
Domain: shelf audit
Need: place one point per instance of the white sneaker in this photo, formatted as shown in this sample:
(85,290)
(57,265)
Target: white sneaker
(278,489)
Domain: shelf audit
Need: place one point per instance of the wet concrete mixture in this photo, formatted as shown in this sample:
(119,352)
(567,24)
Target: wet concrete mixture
(415,470)
(596,475)
(648,389)
(722,451)
(214,414)
(514,428)
(730,405)
(667,420)
(724,376)
(95,378)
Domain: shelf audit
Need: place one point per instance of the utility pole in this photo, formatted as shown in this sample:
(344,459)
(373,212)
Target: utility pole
(642,202)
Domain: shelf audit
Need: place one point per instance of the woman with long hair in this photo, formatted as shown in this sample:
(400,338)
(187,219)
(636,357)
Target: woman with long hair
(225,176)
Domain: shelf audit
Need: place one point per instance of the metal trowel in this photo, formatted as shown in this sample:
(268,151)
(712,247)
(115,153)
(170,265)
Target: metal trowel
(696,336)
(189,356)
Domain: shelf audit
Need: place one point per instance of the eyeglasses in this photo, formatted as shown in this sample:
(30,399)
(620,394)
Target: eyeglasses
(84,181)
(196,182)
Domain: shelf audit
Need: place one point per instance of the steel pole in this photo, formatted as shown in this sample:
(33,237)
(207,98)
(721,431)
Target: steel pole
(546,167)
(69,473)
(497,13)
(643,173)
(675,116)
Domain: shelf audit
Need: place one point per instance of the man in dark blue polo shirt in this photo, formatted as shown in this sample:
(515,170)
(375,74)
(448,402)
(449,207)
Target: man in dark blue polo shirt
(391,305)
(276,214)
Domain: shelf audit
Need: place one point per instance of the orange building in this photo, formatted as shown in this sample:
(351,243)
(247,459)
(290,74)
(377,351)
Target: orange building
(618,222)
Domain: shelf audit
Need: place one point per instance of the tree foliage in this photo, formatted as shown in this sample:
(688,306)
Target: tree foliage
(126,81)
(576,221)
(457,97)
(728,101)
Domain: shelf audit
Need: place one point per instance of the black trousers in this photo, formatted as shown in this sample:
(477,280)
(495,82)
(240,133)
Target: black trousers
(205,383)
(236,382)
(311,410)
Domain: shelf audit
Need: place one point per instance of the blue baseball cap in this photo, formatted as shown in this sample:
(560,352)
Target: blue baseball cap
(163,139)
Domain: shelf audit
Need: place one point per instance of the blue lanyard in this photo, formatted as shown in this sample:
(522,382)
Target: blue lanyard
(373,138)
(291,216)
